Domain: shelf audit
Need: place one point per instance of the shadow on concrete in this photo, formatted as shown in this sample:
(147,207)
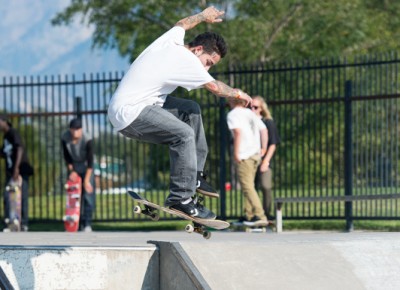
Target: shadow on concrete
(17,264)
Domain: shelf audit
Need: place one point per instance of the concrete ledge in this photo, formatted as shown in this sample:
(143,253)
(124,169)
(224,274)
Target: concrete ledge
(177,271)
(80,267)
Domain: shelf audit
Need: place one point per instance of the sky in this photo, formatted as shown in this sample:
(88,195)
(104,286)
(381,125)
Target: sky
(31,46)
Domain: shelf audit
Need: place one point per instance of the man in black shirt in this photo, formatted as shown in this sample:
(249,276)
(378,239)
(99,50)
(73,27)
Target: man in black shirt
(17,164)
(78,154)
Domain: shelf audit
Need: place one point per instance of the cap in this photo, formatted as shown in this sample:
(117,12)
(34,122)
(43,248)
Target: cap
(75,124)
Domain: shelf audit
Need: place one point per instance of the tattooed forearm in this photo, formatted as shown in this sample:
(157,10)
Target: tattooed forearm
(191,21)
(220,89)
(210,15)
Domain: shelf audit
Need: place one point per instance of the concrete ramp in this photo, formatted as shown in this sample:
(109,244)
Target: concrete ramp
(80,267)
(301,261)
(176,260)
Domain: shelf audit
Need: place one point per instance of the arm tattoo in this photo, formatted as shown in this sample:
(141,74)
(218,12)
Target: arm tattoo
(191,21)
(220,89)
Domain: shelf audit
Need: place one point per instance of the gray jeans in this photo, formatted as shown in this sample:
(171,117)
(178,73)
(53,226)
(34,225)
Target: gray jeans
(179,125)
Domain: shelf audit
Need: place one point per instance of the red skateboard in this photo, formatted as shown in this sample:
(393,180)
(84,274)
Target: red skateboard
(13,190)
(73,206)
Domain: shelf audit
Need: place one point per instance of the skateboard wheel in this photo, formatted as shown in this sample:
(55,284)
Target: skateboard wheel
(154,217)
(189,228)
(206,235)
(137,209)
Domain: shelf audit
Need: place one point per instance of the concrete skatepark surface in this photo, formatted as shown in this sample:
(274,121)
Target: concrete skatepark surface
(238,260)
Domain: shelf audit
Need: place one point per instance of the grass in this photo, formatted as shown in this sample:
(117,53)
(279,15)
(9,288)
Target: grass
(119,207)
(289,225)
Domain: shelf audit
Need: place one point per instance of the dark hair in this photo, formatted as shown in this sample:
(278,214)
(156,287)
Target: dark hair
(211,42)
(5,119)
(75,124)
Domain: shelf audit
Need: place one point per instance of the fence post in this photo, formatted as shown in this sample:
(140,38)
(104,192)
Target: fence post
(78,107)
(222,157)
(348,155)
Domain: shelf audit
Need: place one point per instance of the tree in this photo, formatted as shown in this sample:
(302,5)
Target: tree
(255,30)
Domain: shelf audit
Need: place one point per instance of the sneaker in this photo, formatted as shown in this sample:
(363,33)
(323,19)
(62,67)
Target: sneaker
(203,187)
(241,220)
(24,228)
(194,210)
(256,221)
(87,229)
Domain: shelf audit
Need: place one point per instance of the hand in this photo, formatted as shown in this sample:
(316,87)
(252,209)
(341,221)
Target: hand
(262,152)
(88,187)
(212,14)
(237,159)
(15,175)
(73,176)
(243,96)
(264,167)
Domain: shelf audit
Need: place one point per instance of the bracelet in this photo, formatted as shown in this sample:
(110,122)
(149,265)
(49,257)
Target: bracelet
(238,94)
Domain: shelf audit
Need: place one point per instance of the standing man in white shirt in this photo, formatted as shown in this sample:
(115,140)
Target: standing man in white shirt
(250,139)
(142,108)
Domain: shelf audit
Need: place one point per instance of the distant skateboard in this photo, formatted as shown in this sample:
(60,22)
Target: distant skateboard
(249,228)
(13,190)
(199,225)
(73,207)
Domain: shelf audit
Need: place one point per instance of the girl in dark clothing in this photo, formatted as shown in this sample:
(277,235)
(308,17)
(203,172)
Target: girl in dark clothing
(264,174)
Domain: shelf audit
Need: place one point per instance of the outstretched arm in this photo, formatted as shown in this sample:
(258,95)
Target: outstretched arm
(209,15)
(222,90)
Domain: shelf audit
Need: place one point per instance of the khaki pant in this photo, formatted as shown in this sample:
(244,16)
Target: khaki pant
(247,170)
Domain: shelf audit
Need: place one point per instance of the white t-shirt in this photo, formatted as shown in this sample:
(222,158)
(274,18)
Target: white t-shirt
(250,126)
(158,71)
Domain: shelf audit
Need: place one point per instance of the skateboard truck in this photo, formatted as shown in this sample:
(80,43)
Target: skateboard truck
(198,228)
(150,212)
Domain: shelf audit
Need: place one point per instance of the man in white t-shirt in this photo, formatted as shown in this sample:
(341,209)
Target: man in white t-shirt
(142,108)
(250,139)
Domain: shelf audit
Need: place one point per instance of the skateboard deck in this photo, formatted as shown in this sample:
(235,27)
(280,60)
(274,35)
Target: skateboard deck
(13,190)
(73,205)
(150,209)
(253,228)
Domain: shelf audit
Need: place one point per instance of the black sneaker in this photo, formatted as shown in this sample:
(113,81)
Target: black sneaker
(194,210)
(256,221)
(203,187)
(241,220)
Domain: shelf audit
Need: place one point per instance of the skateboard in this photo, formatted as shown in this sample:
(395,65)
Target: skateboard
(73,206)
(13,190)
(263,228)
(198,225)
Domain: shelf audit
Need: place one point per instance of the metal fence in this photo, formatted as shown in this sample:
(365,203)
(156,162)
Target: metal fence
(338,121)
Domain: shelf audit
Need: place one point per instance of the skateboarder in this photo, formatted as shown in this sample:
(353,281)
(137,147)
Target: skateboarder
(143,109)
(78,155)
(17,164)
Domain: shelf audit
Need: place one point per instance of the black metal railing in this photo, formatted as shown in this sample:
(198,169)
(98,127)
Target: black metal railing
(338,121)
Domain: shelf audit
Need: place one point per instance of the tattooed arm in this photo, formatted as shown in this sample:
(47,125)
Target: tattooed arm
(209,15)
(222,90)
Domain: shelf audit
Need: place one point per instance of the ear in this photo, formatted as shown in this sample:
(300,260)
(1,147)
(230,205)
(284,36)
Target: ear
(198,50)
